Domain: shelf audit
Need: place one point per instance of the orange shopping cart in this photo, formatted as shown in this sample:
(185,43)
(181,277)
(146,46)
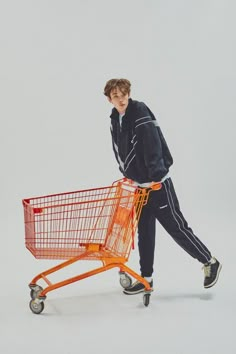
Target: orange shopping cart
(94,224)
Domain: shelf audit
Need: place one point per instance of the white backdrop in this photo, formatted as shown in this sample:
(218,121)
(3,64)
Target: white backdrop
(56,57)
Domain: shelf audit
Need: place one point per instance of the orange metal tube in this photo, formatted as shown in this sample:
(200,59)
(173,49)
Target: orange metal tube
(108,264)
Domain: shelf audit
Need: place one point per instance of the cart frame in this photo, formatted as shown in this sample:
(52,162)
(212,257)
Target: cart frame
(106,235)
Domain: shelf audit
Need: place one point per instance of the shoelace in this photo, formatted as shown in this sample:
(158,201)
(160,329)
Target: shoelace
(135,283)
(207,270)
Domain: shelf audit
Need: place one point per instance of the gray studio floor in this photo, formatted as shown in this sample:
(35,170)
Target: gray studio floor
(56,56)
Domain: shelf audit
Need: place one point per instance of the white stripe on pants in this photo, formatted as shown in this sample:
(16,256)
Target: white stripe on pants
(163,205)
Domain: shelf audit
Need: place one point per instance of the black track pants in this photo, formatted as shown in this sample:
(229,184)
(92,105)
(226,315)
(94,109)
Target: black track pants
(163,205)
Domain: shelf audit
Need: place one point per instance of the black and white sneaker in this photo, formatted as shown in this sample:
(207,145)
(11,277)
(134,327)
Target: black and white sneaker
(136,288)
(212,271)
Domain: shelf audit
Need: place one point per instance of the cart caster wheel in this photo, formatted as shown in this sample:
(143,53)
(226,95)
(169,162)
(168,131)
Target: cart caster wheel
(35,292)
(125,280)
(146,299)
(36,307)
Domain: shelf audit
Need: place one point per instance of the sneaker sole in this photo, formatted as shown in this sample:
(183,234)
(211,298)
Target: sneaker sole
(126,292)
(217,276)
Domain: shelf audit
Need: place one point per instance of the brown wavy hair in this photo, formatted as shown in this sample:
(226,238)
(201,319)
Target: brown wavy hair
(124,86)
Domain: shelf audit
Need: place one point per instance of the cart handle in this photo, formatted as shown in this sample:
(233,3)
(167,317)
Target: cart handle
(155,186)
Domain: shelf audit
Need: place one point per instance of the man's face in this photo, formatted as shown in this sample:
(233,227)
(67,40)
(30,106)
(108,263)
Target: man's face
(119,100)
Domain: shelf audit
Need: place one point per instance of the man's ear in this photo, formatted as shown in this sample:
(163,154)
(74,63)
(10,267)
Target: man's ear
(109,99)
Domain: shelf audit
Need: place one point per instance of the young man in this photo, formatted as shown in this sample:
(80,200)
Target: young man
(143,156)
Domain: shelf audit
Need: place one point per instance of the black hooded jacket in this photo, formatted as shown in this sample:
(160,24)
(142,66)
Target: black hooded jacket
(139,145)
